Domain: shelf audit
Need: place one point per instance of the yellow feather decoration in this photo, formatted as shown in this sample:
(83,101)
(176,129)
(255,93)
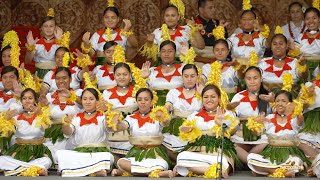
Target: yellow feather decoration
(265,33)
(73,97)
(32,171)
(279,173)
(151,52)
(155,173)
(180,6)
(154,111)
(43,119)
(119,55)
(255,126)
(193,135)
(189,57)
(50,12)
(217,130)
(110,3)
(6,126)
(316,4)
(29,82)
(213,171)
(194,28)
(287,82)
(318,76)
(84,61)
(246,5)
(165,33)
(89,84)
(108,33)
(219,32)
(278,30)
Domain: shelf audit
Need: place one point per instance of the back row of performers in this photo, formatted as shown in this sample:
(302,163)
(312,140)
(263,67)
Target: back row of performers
(83,133)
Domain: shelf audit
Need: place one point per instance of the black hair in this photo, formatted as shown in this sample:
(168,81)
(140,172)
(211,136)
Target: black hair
(166,42)
(112,9)
(144,90)
(2,50)
(248,11)
(293,4)
(288,94)
(61,48)
(209,87)
(202,3)
(121,64)
(7,69)
(262,104)
(93,91)
(222,41)
(279,35)
(190,66)
(171,6)
(312,9)
(59,69)
(29,90)
(108,45)
(47,18)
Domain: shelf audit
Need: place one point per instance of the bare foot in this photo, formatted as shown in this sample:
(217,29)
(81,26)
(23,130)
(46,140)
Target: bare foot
(310,172)
(167,173)
(116,172)
(43,172)
(101,173)
(254,173)
(290,174)
(225,174)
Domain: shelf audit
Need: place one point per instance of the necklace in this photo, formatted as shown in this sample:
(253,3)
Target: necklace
(247,32)
(89,113)
(144,114)
(168,65)
(281,115)
(290,30)
(255,93)
(49,39)
(279,59)
(313,31)
(189,89)
(123,87)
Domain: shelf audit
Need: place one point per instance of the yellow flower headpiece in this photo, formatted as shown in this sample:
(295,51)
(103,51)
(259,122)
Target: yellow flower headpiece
(65,40)
(287,82)
(89,84)
(246,5)
(189,57)
(50,12)
(119,55)
(29,82)
(218,32)
(110,3)
(278,30)
(316,4)
(180,6)
(253,60)
(165,33)
(10,38)
(66,59)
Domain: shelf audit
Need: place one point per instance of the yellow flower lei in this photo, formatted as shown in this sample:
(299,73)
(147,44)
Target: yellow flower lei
(85,61)
(316,4)
(109,116)
(14,55)
(295,53)
(73,97)
(66,59)
(64,122)
(193,29)
(108,33)
(278,30)
(65,40)
(50,12)
(218,32)
(10,38)
(43,119)
(318,77)
(253,60)
(127,33)
(180,6)
(193,135)
(255,126)
(31,172)
(189,57)
(165,33)
(298,109)
(30,48)
(84,49)
(246,5)
(6,126)
(215,73)
(217,130)
(126,174)
(119,55)
(305,97)
(157,118)
(266,31)
(151,52)
(279,173)
(155,173)
(301,69)
(287,82)
(89,84)
(213,171)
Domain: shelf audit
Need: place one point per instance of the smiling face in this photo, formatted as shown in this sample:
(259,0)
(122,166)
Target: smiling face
(28,100)
(279,47)
(144,102)
(253,80)
(167,54)
(48,28)
(189,77)
(281,102)
(210,100)
(8,79)
(6,61)
(247,21)
(59,56)
(312,21)
(171,17)
(122,76)
(63,80)
(89,101)
(110,19)
(221,51)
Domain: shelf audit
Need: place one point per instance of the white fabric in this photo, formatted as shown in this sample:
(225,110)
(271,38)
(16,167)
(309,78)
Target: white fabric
(316,166)
(306,48)
(41,54)
(161,83)
(130,103)
(316,102)
(51,83)
(26,131)
(1,85)
(98,47)
(178,39)
(244,51)
(270,129)
(11,104)
(105,81)
(229,77)
(294,29)
(14,167)
(270,77)
(146,165)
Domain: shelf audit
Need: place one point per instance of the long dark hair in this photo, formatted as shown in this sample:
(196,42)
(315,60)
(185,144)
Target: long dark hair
(262,104)
(286,93)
